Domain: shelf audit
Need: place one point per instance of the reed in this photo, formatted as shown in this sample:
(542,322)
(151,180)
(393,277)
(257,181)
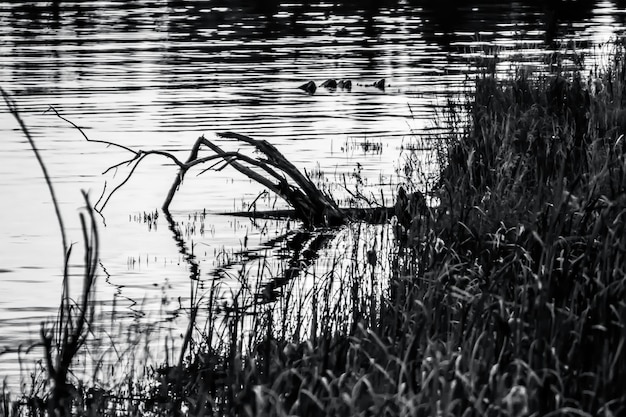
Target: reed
(66,336)
(528,278)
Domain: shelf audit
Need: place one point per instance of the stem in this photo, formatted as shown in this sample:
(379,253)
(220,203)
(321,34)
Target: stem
(13,109)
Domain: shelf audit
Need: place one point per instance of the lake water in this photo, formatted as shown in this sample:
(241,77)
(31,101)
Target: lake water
(158,74)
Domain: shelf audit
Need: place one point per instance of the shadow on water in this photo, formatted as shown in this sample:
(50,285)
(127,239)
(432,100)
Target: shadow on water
(296,252)
(290,253)
(179,240)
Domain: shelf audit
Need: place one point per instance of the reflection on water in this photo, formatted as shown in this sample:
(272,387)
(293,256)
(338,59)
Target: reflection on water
(157,74)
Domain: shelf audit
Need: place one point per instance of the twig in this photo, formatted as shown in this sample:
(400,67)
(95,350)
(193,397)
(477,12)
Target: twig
(120,185)
(138,156)
(119,164)
(85,136)
(230,157)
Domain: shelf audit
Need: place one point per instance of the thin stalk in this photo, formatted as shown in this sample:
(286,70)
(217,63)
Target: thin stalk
(14,111)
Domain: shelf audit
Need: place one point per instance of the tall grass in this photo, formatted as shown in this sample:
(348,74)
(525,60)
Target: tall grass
(529,284)
(66,336)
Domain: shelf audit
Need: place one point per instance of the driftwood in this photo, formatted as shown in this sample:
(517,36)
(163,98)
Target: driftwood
(312,206)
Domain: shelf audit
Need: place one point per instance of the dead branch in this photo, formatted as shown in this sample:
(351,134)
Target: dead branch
(278,160)
(51,108)
(311,205)
(271,169)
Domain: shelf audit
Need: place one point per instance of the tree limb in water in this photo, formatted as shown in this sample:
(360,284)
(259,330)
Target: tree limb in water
(272,170)
(311,205)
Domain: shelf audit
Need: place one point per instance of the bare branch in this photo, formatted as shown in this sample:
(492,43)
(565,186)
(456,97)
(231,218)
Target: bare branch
(119,164)
(142,154)
(165,154)
(120,185)
(272,170)
(221,158)
(126,148)
(277,159)
(279,189)
(228,157)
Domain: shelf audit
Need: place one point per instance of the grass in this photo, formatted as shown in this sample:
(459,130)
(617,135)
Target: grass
(505,299)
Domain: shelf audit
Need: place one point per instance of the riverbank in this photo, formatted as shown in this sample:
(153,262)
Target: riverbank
(505,299)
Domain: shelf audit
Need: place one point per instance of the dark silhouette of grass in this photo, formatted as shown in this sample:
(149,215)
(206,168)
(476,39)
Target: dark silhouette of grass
(67,335)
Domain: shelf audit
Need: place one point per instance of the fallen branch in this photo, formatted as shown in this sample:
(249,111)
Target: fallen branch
(272,170)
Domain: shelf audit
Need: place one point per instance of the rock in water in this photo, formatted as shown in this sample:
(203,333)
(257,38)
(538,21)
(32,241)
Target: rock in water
(380,84)
(345,85)
(309,87)
(330,83)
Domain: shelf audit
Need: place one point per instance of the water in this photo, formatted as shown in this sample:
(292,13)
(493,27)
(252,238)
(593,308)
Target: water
(158,74)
